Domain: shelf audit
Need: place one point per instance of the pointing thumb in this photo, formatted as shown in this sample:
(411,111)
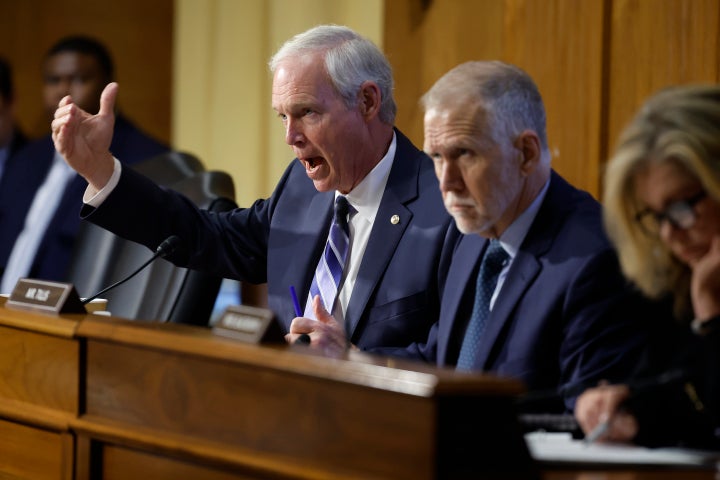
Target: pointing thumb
(107,99)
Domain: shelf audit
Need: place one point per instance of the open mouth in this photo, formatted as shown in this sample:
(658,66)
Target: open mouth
(311,164)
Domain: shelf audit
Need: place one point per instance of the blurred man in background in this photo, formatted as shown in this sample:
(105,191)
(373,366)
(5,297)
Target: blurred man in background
(11,137)
(39,193)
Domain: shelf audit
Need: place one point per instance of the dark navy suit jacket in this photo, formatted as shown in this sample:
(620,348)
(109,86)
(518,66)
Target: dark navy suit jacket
(18,141)
(564,314)
(279,240)
(26,172)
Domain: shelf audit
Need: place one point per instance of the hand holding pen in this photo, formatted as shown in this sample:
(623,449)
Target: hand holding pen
(323,332)
(601,414)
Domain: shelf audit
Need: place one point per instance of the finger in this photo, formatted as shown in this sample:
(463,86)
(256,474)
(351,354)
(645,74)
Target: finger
(63,110)
(63,116)
(588,409)
(321,312)
(57,124)
(107,99)
(715,245)
(623,428)
(61,137)
(301,339)
(302,325)
(64,101)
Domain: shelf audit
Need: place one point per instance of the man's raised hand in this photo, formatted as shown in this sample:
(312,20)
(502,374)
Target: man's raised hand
(83,139)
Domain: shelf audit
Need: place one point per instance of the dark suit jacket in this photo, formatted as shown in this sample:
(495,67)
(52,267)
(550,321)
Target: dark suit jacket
(279,241)
(26,172)
(675,396)
(18,141)
(564,313)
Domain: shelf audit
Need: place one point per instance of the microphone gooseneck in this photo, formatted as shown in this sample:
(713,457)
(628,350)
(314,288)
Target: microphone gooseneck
(167,247)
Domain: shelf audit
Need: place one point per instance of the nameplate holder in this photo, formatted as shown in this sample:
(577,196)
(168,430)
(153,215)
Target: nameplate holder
(249,325)
(41,295)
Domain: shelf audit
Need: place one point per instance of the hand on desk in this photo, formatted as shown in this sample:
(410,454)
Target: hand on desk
(325,333)
(603,405)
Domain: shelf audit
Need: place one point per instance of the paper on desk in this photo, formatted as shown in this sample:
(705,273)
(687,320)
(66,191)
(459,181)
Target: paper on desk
(562,448)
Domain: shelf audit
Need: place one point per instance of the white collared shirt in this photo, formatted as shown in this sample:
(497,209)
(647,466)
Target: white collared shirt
(365,198)
(42,210)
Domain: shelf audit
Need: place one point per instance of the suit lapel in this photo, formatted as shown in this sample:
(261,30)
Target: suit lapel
(382,243)
(525,268)
(385,235)
(302,256)
(462,274)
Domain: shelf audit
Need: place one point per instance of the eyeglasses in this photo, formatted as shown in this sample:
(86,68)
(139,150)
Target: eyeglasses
(680,214)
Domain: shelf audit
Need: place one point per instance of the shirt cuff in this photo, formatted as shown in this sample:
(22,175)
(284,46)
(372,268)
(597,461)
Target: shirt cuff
(97,199)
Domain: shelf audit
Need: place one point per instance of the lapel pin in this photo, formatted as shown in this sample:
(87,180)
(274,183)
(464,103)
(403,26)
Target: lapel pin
(395,219)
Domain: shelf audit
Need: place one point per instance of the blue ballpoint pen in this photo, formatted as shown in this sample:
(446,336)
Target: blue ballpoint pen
(303,339)
(296,303)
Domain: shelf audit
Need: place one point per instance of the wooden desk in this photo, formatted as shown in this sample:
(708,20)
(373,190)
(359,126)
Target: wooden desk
(168,398)
(88,397)
(39,394)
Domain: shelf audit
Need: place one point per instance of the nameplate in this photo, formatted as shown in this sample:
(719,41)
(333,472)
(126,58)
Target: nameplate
(54,297)
(248,324)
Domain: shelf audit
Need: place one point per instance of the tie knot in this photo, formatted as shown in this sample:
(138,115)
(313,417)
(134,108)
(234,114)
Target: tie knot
(495,255)
(342,208)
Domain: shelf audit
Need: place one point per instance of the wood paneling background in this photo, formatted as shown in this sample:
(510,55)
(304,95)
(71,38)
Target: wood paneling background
(138,34)
(594,61)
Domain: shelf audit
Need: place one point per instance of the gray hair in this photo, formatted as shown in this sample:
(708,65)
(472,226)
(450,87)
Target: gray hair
(508,95)
(350,60)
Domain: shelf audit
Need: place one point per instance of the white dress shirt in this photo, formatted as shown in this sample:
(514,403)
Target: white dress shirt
(37,220)
(365,198)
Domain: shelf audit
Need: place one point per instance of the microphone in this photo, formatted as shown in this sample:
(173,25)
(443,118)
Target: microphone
(167,247)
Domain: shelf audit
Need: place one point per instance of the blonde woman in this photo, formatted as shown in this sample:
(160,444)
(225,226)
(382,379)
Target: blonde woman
(662,213)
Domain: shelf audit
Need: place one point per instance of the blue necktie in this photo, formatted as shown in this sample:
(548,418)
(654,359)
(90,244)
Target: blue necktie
(490,268)
(328,273)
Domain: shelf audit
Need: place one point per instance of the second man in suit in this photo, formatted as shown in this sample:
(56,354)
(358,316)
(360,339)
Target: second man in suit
(554,310)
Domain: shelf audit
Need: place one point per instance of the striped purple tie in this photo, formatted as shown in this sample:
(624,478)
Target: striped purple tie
(328,273)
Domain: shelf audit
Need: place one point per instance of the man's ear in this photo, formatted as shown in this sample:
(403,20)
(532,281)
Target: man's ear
(369,100)
(528,144)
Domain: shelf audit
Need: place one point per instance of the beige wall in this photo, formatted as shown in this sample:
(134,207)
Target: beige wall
(221,92)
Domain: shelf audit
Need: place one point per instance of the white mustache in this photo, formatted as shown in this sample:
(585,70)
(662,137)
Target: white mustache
(452,200)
